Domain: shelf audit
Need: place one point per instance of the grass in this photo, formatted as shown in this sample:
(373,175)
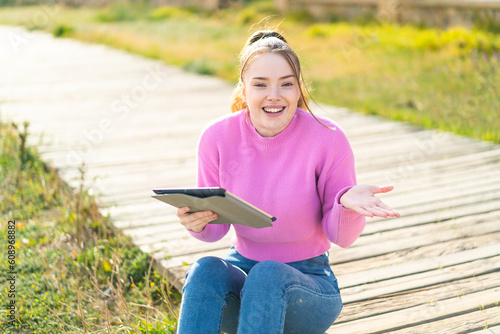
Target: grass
(444,79)
(73,271)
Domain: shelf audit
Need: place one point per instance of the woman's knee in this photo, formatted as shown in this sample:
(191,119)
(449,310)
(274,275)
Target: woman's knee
(271,270)
(205,268)
(269,276)
(213,271)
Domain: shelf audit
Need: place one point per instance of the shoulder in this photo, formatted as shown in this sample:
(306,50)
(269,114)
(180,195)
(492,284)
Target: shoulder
(220,127)
(327,142)
(222,124)
(322,129)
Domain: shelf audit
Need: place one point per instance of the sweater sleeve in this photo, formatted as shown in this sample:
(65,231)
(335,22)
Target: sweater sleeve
(208,176)
(341,226)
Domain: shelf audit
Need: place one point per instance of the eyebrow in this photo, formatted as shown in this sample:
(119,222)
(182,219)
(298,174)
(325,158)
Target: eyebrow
(264,78)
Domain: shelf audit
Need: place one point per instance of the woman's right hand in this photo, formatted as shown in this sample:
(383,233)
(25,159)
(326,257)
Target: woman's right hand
(196,221)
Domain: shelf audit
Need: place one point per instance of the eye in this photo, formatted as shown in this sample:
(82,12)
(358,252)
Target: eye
(259,84)
(288,84)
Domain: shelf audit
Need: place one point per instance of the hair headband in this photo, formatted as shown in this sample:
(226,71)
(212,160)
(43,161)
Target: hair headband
(271,34)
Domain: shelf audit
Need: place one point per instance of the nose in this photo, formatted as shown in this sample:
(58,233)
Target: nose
(274,94)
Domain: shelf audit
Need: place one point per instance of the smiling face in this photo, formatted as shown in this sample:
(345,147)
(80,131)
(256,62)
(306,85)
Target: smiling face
(271,92)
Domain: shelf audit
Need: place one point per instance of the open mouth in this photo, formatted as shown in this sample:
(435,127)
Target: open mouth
(273,110)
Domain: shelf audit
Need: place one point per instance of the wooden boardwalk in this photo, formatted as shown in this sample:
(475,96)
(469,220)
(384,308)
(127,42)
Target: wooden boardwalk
(135,123)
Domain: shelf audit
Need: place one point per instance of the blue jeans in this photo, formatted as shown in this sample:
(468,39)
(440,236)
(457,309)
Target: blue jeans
(239,295)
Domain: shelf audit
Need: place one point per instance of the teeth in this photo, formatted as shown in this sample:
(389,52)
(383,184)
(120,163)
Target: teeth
(273,110)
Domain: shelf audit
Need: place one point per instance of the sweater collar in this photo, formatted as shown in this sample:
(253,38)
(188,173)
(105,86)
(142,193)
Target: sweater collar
(276,140)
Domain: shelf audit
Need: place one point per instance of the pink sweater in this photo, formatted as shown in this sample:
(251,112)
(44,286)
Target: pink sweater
(298,176)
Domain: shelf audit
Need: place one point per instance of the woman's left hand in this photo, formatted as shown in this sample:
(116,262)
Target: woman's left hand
(361,198)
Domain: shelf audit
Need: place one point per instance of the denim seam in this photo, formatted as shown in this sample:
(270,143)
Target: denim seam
(317,262)
(298,286)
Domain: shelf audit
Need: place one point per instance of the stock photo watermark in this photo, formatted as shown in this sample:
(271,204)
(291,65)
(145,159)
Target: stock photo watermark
(40,19)
(11,276)
(119,109)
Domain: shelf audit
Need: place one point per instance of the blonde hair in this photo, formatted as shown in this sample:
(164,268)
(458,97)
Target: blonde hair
(269,41)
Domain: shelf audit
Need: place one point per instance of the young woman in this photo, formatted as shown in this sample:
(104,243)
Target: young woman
(275,154)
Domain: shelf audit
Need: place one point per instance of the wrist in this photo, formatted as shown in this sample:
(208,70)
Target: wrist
(341,196)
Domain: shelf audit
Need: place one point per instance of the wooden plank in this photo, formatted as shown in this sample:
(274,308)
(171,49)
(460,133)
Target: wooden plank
(363,277)
(448,179)
(179,273)
(423,296)
(423,142)
(430,181)
(180,254)
(424,203)
(420,280)
(160,254)
(360,131)
(179,261)
(489,330)
(348,255)
(128,222)
(389,158)
(147,204)
(119,141)
(418,167)
(410,255)
(381,244)
(414,160)
(411,316)
(461,324)
(408,135)
(434,216)
(171,234)
(112,159)
(464,185)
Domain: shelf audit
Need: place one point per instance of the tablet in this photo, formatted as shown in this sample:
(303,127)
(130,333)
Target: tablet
(230,208)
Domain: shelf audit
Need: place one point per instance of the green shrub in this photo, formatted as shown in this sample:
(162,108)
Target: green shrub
(318,30)
(427,40)
(201,66)
(486,20)
(300,16)
(167,12)
(254,13)
(63,30)
(7,3)
(120,12)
